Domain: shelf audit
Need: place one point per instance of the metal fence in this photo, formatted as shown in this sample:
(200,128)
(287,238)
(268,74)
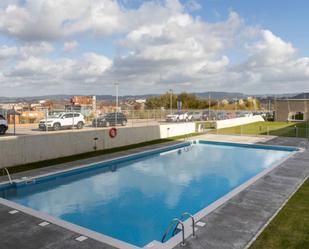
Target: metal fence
(264,130)
(135,118)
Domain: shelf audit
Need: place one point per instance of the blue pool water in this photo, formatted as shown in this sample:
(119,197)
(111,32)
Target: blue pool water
(135,200)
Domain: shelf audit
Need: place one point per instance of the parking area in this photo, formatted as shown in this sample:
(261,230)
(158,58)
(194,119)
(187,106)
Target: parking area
(32,129)
(132,119)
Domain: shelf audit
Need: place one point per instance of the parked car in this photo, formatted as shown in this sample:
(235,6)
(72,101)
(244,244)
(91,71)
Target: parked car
(240,114)
(231,115)
(177,117)
(208,115)
(3,125)
(63,121)
(269,116)
(248,114)
(194,116)
(222,115)
(108,119)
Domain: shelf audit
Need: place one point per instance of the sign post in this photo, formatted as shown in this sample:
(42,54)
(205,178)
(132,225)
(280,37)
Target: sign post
(179,105)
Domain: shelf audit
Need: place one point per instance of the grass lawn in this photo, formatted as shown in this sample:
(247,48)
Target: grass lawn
(285,129)
(46,163)
(290,228)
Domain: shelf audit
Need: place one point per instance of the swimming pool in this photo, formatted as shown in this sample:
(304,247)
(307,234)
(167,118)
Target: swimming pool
(134,198)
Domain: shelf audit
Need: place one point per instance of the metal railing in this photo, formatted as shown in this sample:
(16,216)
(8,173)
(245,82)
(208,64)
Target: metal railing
(135,118)
(193,222)
(8,174)
(177,222)
(262,130)
(173,222)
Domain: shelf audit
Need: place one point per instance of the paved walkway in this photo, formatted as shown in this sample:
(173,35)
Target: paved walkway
(235,224)
(231,226)
(22,231)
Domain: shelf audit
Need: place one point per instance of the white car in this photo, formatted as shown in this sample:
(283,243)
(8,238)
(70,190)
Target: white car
(177,117)
(62,121)
(193,116)
(3,125)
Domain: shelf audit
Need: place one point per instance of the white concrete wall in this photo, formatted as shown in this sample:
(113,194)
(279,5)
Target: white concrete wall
(238,121)
(173,130)
(26,149)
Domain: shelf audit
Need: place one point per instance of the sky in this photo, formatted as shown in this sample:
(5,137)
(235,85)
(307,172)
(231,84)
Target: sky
(86,46)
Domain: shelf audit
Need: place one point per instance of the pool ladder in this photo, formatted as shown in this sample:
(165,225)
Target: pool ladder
(8,174)
(177,222)
(189,147)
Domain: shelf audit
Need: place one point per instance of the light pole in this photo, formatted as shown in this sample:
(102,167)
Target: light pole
(209,105)
(171,101)
(116,85)
(46,118)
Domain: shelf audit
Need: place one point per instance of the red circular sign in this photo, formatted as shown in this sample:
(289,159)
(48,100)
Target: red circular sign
(113,132)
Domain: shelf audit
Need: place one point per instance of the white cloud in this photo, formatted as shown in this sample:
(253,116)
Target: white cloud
(52,19)
(94,65)
(270,50)
(70,46)
(169,49)
(36,48)
(7,52)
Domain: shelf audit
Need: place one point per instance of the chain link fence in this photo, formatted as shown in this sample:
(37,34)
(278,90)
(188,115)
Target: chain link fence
(28,122)
(297,131)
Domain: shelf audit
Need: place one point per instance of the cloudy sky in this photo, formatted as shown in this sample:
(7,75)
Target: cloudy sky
(85,46)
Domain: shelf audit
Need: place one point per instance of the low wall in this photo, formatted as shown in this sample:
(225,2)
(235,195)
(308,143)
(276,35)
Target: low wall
(238,121)
(173,130)
(27,149)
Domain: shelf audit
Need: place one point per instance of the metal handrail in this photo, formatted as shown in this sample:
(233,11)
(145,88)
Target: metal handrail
(9,176)
(189,147)
(183,243)
(193,221)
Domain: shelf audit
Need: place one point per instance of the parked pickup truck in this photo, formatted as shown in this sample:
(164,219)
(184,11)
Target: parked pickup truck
(63,120)
(3,125)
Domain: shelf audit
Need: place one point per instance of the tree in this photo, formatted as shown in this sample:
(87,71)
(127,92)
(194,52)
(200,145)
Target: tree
(189,101)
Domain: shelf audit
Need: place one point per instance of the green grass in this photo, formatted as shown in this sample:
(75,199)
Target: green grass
(290,228)
(284,129)
(46,163)
(205,124)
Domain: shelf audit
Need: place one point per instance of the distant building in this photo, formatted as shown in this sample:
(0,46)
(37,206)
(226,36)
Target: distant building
(84,104)
(294,110)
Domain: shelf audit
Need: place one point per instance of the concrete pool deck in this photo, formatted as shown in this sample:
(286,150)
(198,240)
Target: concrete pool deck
(232,225)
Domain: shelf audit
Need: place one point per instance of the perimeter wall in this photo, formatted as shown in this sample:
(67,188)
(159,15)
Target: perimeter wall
(16,150)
